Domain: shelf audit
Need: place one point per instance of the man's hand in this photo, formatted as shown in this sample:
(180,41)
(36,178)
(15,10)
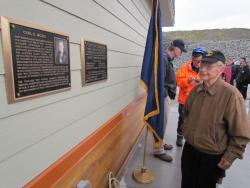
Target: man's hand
(194,80)
(198,81)
(191,80)
(224,164)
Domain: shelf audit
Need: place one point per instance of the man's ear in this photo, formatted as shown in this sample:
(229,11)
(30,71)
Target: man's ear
(223,68)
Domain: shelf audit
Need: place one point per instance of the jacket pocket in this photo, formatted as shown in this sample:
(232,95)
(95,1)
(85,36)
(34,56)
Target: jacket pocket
(205,138)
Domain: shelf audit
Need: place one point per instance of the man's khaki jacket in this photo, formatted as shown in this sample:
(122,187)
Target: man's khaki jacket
(216,121)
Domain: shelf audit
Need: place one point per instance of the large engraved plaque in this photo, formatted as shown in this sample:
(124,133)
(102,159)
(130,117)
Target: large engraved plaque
(94,62)
(36,60)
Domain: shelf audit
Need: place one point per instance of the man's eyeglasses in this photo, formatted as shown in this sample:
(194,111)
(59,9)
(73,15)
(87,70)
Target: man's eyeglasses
(209,66)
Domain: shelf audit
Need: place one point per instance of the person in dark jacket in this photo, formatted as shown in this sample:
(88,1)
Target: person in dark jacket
(234,69)
(243,77)
(174,50)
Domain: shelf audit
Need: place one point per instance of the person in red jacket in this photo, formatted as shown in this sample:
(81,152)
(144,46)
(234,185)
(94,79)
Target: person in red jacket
(187,77)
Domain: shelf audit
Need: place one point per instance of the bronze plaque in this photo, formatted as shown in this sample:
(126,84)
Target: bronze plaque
(94,62)
(36,60)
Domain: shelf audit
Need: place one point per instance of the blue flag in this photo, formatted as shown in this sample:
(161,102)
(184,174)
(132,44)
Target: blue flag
(152,76)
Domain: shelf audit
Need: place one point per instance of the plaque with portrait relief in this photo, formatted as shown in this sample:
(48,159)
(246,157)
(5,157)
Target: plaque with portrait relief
(36,60)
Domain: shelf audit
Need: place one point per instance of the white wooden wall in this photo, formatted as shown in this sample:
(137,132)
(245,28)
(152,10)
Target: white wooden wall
(36,132)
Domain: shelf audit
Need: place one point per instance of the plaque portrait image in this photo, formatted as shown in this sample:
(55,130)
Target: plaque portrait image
(61,51)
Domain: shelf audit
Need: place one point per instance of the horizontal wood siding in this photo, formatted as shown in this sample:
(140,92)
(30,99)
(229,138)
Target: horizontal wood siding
(37,132)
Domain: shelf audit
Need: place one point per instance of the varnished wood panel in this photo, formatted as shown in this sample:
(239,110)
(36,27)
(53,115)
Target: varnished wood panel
(104,151)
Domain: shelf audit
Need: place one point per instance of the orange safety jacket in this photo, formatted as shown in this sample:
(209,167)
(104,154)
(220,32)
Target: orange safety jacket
(182,78)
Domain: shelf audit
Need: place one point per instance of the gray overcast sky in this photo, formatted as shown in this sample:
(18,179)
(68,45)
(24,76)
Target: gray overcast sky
(211,14)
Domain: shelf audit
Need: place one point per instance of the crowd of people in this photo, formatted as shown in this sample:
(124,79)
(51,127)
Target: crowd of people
(212,115)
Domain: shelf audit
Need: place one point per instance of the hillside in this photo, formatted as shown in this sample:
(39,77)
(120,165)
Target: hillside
(234,43)
(210,35)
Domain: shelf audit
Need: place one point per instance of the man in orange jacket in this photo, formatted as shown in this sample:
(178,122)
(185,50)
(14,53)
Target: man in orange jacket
(187,77)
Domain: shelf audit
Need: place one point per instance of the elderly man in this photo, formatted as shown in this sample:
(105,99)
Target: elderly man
(216,127)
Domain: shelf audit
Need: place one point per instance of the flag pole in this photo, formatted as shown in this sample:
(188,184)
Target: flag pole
(154,85)
(144,175)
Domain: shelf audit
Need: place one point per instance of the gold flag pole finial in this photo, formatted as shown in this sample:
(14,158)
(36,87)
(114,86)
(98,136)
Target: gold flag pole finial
(144,175)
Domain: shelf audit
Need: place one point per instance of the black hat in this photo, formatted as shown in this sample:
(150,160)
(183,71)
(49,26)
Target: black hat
(180,44)
(212,56)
